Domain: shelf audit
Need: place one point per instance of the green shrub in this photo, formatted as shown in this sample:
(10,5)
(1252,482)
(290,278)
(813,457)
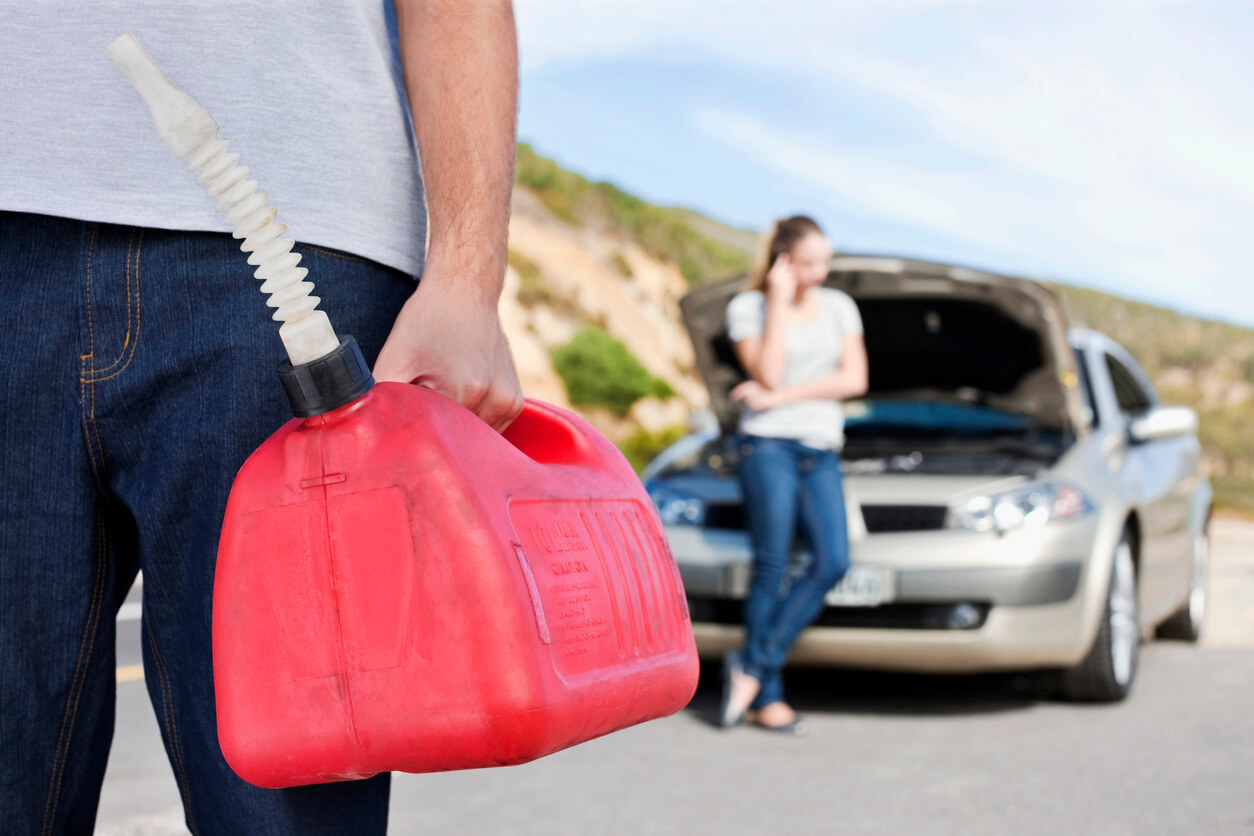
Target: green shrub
(621,264)
(641,446)
(598,370)
(532,289)
(527,269)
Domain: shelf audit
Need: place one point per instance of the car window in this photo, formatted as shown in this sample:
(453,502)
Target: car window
(1128,392)
(1086,388)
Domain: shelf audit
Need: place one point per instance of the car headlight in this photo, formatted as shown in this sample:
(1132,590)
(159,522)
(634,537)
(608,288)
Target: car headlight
(676,507)
(1028,506)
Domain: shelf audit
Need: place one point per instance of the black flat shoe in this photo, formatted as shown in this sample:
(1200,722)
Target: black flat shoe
(728,716)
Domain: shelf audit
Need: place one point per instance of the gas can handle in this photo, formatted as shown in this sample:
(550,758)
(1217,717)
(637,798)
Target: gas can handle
(549,435)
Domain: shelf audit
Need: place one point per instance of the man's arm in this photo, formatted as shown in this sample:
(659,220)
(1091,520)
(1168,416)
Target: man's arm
(461,74)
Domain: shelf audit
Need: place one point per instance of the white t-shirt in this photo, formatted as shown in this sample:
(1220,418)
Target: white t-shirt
(812,350)
(309,94)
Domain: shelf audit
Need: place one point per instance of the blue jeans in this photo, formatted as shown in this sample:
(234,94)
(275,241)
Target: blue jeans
(138,374)
(780,479)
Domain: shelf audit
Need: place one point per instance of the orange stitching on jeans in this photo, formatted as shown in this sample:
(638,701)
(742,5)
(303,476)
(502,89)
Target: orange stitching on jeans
(176,751)
(91,333)
(60,755)
(127,343)
(87,389)
(126,266)
(89,425)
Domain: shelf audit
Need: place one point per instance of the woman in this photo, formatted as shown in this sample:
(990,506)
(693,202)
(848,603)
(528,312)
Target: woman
(801,345)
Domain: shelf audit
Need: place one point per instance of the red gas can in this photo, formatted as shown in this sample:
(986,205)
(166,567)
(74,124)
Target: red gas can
(399,587)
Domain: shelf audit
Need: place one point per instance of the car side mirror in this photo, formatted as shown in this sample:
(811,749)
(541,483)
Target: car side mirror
(1162,422)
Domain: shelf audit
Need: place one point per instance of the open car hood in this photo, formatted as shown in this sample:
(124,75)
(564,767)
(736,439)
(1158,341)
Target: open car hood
(933,332)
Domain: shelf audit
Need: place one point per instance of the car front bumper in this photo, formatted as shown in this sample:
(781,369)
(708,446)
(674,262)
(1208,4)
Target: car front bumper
(1031,588)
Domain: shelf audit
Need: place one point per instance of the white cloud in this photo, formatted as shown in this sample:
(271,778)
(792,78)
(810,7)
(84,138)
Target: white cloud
(1060,231)
(872,183)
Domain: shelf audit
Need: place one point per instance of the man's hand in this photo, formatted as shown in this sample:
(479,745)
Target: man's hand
(452,342)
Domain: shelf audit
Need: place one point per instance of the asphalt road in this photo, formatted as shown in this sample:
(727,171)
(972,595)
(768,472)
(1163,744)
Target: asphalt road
(885,754)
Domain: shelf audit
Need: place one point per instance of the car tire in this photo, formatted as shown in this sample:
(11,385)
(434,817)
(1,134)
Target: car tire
(1109,669)
(1187,622)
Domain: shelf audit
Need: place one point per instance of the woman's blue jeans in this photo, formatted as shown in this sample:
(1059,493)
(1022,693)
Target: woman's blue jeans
(137,374)
(784,480)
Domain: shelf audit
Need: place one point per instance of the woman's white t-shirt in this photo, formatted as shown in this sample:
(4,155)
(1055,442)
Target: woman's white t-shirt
(813,350)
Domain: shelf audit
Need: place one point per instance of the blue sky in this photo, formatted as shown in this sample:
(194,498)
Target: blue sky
(1108,144)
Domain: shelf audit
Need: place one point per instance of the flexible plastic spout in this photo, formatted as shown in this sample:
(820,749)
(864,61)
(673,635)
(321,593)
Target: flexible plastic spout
(190,132)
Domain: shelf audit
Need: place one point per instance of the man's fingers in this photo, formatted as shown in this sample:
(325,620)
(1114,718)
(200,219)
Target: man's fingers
(501,407)
(506,415)
(496,403)
(459,350)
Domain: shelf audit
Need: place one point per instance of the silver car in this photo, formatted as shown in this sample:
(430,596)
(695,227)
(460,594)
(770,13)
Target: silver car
(1017,496)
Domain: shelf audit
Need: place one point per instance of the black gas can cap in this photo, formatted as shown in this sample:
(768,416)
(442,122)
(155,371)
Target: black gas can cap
(327,383)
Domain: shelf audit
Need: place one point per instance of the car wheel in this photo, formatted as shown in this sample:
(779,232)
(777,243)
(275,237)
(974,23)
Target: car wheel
(1186,623)
(1107,672)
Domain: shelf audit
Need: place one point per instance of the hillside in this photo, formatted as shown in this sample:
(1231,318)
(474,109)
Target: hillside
(681,237)
(588,255)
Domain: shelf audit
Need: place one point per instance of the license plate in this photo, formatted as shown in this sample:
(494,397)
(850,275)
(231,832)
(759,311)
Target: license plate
(862,586)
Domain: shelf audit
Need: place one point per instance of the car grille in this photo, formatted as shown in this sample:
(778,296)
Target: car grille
(878,518)
(898,616)
(725,515)
(904,517)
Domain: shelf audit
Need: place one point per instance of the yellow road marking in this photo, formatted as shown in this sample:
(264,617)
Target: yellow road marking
(130,673)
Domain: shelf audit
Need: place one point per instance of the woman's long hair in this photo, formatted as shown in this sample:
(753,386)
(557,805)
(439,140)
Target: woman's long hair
(787,232)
